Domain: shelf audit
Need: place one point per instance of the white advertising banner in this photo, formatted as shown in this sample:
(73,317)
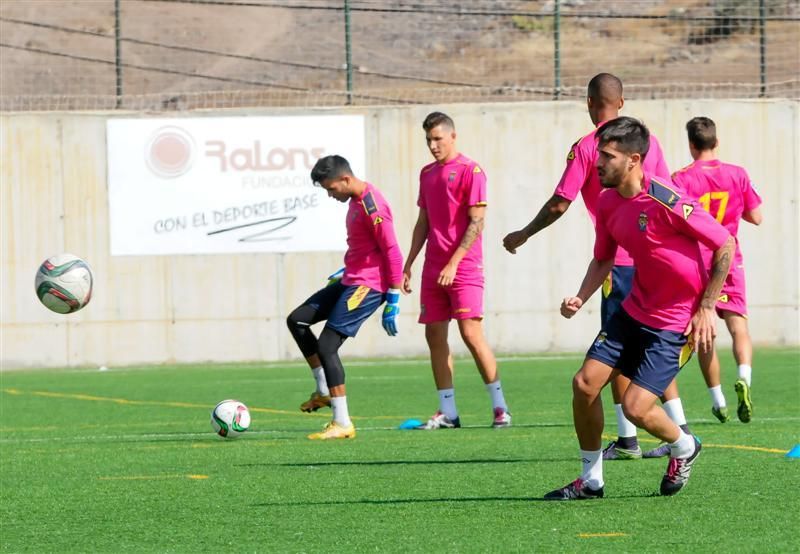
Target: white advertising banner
(227,185)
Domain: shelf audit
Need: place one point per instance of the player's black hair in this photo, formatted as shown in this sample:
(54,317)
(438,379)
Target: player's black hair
(702,133)
(330,167)
(629,133)
(604,88)
(435,119)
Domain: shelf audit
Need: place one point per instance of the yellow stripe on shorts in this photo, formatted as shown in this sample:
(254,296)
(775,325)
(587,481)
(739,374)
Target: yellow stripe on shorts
(358,297)
(607,285)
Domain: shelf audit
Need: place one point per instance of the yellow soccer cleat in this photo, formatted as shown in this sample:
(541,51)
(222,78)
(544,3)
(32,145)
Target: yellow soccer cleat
(334,431)
(315,402)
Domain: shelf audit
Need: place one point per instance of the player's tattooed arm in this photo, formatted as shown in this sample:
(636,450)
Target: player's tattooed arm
(720,267)
(474,230)
(553,209)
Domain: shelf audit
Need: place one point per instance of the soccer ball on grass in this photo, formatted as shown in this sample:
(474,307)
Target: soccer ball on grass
(230,418)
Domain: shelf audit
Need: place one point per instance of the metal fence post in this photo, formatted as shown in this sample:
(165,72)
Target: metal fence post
(557,48)
(118,52)
(348,52)
(762,47)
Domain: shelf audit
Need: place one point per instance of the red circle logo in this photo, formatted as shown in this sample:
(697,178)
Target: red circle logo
(170,152)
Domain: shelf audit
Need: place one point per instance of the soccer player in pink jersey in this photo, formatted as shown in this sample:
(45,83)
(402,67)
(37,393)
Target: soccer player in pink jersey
(373,272)
(724,190)
(452,206)
(604,101)
(673,296)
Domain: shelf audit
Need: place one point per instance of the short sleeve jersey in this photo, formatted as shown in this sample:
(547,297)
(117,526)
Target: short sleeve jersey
(447,192)
(662,229)
(724,190)
(373,257)
(580,176)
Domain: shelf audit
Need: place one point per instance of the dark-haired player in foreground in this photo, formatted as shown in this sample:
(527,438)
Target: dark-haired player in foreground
(672,298)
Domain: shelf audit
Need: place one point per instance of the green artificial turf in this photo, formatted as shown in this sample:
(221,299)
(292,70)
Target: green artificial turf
(125,460)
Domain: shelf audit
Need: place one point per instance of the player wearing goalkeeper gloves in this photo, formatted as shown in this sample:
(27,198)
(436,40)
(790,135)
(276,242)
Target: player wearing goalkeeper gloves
(373,272)
(452,205)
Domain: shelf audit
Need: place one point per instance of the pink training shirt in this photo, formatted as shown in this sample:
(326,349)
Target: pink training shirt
(580,176)
(447,192)
(373,257)
(661,228)
(724,190)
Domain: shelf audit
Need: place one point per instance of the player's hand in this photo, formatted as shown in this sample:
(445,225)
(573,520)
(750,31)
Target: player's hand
(514,240)
(570,306)
(702,329)
(407,280)
(335,277)
(447,275)
(391,311)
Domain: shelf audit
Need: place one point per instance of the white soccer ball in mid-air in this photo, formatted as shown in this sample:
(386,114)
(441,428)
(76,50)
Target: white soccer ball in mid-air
(64,283)
(230,418)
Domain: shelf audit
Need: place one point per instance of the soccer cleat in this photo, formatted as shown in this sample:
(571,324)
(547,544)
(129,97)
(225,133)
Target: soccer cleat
(614,452)
(440,421)
(574,491)
(678,471)
(315,402)
(745,408)
(721,413)
(333,430)
(501,418)
(658,452)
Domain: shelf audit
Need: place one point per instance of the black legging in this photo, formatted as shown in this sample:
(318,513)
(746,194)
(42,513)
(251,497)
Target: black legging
(326,347)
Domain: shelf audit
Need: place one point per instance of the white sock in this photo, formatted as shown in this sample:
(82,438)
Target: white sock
(683,447)
(592,474)
(447,403)
(322,383)
(717,398)
(674,409)
(340,413)
(496,392)
(624,427)
(745,372)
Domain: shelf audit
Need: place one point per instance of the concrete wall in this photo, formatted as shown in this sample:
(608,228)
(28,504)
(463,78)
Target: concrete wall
(226,308)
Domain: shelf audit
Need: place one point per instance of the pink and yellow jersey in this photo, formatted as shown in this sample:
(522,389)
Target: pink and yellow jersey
(373,257)
(580,176)
(724,190)
(662,229)
(447,192)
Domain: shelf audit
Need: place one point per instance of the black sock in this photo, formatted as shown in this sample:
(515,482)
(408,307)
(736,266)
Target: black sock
(628,443)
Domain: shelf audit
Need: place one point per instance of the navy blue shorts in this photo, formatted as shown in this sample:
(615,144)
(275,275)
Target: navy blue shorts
(616,288)
(649,357)
(345,307)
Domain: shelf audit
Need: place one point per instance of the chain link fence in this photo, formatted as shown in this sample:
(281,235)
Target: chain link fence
(192,54)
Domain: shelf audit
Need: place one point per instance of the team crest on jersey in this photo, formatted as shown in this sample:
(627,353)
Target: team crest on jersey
(377,221)
(643,221)
(571,155)
(687,210)
(476,169)
(451,177)
(723,298)
(601,338)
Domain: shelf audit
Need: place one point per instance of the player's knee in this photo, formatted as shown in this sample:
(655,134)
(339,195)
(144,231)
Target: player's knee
(435,336)
(293,321)
(582,387)
(472,336)
(633,412)
(329,342)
